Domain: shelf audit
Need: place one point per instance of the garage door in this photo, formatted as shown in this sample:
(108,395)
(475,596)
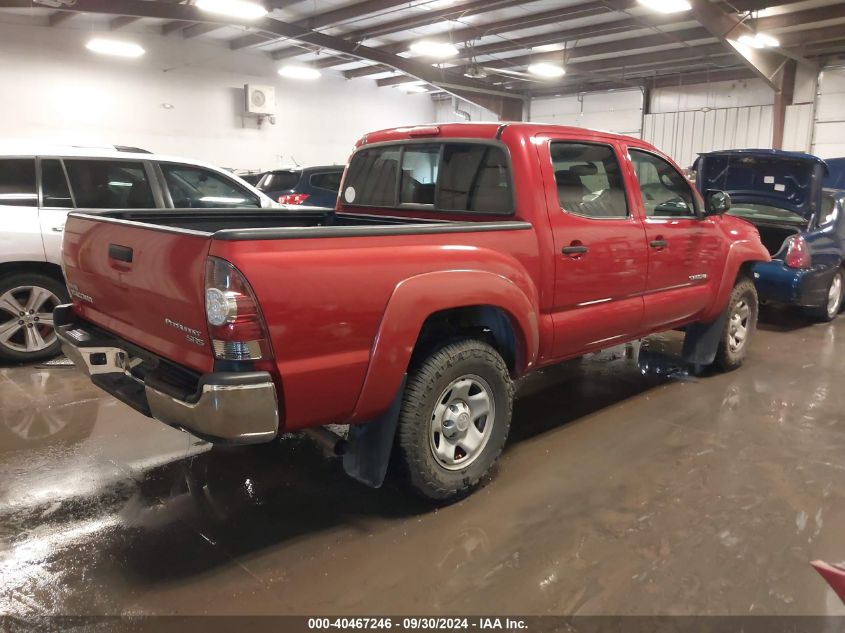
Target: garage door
(829,136)
(620,111)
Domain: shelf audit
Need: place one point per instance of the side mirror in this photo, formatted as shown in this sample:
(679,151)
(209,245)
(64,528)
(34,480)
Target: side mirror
(717,202)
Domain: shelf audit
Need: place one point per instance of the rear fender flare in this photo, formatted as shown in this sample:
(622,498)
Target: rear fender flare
(413,301)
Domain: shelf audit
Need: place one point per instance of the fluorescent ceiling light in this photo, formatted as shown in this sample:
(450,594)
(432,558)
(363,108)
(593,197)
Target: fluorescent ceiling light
(114,47)
(758,40)
(431,48)
(666,6)
(546,69)
(233,8)
(299,72)
(548,48)
(411,86)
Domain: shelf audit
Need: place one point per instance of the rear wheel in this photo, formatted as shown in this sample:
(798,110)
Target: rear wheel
(27,301)
(454,422)
(830,309)
(743,308)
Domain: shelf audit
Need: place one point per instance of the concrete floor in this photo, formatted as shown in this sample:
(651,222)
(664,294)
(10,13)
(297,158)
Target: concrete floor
(618,493)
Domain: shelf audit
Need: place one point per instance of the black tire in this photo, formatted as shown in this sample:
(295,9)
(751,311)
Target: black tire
(830,310)
(460,362)
(731,355)
(10,350)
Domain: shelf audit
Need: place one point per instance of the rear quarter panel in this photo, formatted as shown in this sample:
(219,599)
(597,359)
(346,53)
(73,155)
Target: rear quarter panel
(324,301)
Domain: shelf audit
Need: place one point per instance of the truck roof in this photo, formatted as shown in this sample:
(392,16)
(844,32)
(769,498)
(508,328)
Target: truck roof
(485,130)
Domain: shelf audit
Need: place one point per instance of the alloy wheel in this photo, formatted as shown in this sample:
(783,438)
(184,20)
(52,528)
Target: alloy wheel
(834,296)
(26,319)
(738,329)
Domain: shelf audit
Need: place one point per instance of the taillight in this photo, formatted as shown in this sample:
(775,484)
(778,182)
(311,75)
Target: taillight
(797,254)
(235,323)
(293,198)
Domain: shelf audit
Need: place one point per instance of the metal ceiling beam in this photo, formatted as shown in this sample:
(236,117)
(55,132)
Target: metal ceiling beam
(121,21)
(768,64)
(469,9)
(195,30)
(469,89)
(807,16)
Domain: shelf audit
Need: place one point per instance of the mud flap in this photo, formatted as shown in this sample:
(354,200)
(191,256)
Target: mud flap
(702,341)
(368,453)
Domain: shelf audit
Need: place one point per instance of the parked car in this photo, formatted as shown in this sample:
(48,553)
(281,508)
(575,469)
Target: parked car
(38,187)
(800,223)
(461,257)
(314,186)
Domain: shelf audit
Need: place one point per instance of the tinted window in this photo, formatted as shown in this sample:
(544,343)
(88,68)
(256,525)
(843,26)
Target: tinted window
(277,180)
(109,184)
(445,176)
(17,182)
(664,191)
(327,180)
(372,177)
(419,174)
(55,192)
(588,179)
(827,212)
(194,187)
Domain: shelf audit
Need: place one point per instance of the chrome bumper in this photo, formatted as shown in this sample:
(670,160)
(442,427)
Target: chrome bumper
(230,407)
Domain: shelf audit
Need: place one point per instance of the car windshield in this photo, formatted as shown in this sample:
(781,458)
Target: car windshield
(763,212)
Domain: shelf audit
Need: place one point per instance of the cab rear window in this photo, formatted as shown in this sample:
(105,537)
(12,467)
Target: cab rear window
(440,176)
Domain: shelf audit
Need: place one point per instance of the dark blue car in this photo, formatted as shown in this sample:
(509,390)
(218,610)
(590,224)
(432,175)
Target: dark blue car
(800,222)
(311,186)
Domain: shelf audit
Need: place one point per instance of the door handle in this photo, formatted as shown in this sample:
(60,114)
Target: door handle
(658,243)
(574,250)
(59,229)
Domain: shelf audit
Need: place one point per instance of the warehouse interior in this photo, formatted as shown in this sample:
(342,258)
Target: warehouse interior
(631,483)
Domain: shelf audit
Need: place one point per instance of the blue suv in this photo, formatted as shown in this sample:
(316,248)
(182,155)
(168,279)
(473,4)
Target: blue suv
(311,186)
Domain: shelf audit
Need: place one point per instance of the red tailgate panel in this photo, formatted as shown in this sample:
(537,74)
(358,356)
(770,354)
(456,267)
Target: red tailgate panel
(156,300)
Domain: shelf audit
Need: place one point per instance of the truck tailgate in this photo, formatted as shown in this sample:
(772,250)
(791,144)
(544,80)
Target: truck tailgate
(141,283)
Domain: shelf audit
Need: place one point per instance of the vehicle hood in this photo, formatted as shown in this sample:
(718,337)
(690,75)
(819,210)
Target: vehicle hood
(787,180)
(836,175)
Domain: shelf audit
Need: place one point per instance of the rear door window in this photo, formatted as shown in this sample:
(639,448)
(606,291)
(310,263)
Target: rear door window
(588,179)
(330,181)
(109,184)
(280,180)
(198,188)
(450,176)
(55,192)
(17,182)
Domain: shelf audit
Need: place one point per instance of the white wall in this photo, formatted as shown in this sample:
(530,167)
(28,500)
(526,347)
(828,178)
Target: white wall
(54,89)
(619,111)
(718,94)
(445,112)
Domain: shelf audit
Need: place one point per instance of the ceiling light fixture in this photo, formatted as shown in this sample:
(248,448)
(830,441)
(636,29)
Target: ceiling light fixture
(759,40)
(666,6)
(411,87)
(299,72)
(431,48)
(114,47)
(242,9)
(546,70)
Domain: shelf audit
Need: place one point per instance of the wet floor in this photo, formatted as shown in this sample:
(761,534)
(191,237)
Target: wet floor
(618,493)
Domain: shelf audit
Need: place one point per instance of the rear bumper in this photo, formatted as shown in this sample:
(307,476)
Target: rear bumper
(228,407)
(806,287)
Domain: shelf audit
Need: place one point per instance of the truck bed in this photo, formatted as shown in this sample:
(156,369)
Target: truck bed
(240,224)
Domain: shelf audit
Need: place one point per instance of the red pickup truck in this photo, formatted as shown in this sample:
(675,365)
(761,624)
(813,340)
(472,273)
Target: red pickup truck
(459,258)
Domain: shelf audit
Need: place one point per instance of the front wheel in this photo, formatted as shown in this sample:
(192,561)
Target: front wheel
(739,328)
(454,421)
(830,309)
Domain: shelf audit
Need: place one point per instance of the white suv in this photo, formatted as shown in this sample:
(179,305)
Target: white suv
(39,186)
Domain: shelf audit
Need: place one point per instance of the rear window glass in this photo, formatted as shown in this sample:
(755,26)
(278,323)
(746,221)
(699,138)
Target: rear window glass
(17,182)
(327,180)
(441,176)
(278,180)
(109,184)
(54,188)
